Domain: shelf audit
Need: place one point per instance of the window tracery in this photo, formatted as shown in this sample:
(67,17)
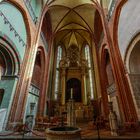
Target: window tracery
(73,55)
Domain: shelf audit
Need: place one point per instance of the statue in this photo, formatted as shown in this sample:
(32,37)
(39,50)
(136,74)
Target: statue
(113,121)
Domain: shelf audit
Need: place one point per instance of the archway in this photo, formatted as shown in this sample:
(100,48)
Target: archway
(6,61)
(9,69)
(109,93)
(104,81)
(111,87)
(34,91)
(64,22)
(22,39)
(132,61)
(37,92)
(74,84)
(120,44)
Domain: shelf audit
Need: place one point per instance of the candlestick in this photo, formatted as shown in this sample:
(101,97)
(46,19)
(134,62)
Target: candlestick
(71,93)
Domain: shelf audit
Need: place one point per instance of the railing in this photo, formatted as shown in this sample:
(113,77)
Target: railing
(31,10)
(44,40)
(111,9)
(12,29)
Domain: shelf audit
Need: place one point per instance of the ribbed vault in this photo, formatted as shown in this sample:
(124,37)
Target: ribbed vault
(72,21)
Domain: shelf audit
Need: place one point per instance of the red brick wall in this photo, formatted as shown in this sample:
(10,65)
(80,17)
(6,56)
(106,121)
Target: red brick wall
(37,71)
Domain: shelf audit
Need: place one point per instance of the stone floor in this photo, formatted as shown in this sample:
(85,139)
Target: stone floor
(87,133)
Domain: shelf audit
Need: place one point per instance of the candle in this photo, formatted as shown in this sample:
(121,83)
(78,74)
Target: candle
(71,93)
(109,98)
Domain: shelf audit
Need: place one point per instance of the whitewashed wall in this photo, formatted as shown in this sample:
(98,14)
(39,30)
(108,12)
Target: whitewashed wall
(129,24)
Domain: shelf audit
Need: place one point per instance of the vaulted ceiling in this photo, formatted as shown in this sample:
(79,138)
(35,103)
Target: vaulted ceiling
(72,21)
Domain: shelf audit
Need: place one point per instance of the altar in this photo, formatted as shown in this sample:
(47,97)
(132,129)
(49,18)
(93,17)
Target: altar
(83,112)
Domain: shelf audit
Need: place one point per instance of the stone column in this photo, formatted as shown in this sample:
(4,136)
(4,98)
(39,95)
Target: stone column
(84,90)
(63,85)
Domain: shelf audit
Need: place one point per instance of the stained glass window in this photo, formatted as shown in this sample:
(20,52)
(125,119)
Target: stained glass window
(88,58)
(58,58)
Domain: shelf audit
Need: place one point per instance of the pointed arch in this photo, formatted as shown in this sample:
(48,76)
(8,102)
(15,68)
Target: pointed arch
(40,68)
(131,62)
(129,50)
(116,20)
(104,82)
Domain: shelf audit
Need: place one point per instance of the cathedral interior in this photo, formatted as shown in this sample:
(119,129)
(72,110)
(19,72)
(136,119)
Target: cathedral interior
(64,62)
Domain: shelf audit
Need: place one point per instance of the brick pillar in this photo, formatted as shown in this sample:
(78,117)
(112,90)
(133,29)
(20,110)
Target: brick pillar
(124,93)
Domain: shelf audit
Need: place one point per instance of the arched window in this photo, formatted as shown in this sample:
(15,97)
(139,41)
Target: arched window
(58,58)
(88,58)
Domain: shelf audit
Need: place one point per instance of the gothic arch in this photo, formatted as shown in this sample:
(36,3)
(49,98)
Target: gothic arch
(116,20)
(11,56)
(39,66)
(45,11)
(125,100)
(12,61)
(104,82)
(109,92)
(35,94)
(129,50)
(40,81)
(132,64)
